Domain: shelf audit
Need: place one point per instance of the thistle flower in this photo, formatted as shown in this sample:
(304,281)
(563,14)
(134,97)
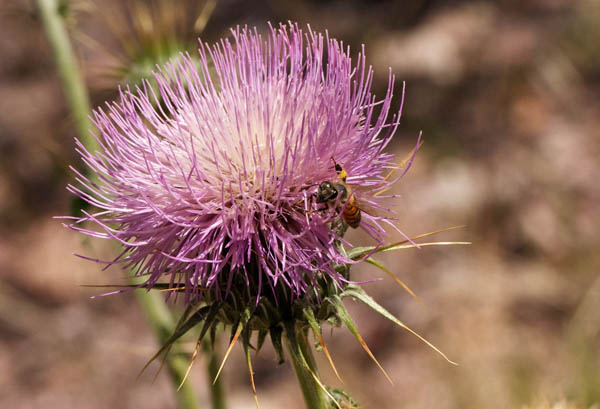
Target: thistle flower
(232,178)
(212,179)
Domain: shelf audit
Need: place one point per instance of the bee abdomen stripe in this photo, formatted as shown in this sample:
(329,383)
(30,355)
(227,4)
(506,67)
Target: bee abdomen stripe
(351,210)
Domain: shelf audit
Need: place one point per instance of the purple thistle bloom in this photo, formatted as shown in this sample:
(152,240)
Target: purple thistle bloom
(210,175)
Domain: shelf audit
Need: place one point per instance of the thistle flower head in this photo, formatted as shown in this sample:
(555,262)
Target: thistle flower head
(211,179)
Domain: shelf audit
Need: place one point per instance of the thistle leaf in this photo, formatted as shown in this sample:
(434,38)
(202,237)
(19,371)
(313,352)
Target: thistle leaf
(383,268)
(180,330)
(316,328)
(434,243)
(349,323)
(182,320)
(358,252)
(199,316)
(208,323)
(360,295)
(395,246)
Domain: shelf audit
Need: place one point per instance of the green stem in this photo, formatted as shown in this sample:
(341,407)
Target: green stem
(217,394)
(52,13)
(302,356)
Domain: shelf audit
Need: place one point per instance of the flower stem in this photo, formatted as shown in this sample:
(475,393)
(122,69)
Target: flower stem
(303,360)
(52,13)
(217,395)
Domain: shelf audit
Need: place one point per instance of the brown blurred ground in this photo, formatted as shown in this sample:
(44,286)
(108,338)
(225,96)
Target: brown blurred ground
(507,94)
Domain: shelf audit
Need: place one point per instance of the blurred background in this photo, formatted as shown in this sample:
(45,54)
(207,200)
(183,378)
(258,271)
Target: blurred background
(507,95)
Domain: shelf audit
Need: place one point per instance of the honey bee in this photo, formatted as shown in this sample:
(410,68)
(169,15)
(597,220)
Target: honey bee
(329,191)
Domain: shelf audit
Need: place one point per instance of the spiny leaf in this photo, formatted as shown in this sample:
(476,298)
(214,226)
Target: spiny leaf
(208,322)
(312,321)
(383,268)
(182,319)
(180,330)
(358,252)
(434,243)
(420,236)
(349,323)
(360,295)
(190,323)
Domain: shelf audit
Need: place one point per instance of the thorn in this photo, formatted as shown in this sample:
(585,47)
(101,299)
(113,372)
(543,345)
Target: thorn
(320,338)
(420,236)
(429,344)
(434,243)
(366,348)
(194,355)
(249,361)
(149,362)
(395,278)
(233,341)
(162,363)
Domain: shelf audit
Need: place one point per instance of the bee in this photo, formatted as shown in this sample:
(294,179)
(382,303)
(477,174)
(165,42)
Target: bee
(329,192)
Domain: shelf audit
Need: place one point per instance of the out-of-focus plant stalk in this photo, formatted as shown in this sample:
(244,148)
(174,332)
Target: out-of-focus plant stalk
(154,307)
(304,363)
(52,14)
(217,394)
